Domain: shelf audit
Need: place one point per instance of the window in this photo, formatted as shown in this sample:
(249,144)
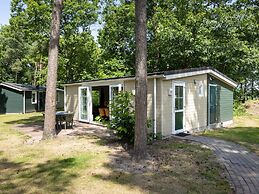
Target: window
(58,97)
(34,97)
(200,89)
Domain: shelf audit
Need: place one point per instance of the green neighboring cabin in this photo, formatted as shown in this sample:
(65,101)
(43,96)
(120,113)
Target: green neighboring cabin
(21,98)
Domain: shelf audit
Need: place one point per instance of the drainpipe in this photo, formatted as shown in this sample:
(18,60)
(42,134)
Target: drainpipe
(65,99)
(154,97)
(24,104)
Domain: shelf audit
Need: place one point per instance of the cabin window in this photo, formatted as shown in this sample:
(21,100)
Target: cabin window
(58,97)
(200,89)
(34,97)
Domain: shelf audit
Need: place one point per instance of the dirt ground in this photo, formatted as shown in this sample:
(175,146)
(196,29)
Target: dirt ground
(252,107)
(90,159)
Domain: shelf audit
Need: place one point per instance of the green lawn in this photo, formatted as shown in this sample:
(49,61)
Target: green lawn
(245,131)
(88,164)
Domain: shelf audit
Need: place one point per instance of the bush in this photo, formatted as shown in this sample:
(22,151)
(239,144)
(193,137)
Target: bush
(123,116)
(239,109)
(123,119)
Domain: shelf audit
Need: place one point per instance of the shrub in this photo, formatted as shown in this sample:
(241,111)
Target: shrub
(151,137)
(239,109)
(123,116)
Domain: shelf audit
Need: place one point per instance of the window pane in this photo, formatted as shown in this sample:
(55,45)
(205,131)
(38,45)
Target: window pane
(33,97)
(178,103)
(84,103)
(178,120)
(115,91)
(178,91)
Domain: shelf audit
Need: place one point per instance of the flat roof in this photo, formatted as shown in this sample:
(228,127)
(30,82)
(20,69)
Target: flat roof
(163,74)
(24,87)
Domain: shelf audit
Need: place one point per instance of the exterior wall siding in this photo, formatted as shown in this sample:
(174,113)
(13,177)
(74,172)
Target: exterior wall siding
(159,105)
(226,104)
(72,100)
(29,107)
(130,86)
(11,101)
(166,108)
(225,97)
(195,105)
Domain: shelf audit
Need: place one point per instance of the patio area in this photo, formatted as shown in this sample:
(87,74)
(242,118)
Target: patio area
(35,131)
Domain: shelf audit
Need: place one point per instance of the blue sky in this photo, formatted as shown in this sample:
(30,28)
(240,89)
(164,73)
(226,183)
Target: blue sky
(5,6)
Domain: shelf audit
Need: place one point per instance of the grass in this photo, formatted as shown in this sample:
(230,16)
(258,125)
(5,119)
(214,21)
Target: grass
(79,164)
(245,131)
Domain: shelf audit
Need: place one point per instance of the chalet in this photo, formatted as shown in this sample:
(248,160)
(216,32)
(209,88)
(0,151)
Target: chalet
(178,101)
(21,98)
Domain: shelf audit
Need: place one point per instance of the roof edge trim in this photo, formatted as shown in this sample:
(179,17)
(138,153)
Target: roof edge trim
(207,71)
(6,85)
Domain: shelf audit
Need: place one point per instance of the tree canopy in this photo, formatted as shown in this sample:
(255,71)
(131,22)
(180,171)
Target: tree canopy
(181,34)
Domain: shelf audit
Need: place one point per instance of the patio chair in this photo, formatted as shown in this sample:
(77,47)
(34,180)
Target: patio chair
(106,110)
(60,119)
(101,112)
(69,120)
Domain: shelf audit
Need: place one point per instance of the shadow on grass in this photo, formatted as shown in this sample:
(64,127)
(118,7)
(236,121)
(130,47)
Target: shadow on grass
(51,176)
(236,134)
(32,120)
(173,166)
(101,135)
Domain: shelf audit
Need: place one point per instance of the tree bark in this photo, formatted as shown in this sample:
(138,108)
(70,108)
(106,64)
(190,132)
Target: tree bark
(140,142)
(49,131)
(252,89)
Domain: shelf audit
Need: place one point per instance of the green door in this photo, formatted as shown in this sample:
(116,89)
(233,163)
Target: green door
(213,104)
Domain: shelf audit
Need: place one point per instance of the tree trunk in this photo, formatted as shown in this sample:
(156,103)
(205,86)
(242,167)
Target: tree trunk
(252,89)
(49,131)
(140,143)
(35,74)
(16,77)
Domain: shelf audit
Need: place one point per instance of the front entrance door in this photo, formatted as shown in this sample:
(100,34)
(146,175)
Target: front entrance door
(213,104)
(178,107)
(85,104)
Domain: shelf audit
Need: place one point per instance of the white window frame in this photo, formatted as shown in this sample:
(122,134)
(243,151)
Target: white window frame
(89,104)
(174,84)
(35,100)
(120,87)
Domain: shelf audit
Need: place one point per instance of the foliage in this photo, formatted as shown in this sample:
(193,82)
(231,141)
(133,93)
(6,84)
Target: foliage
(117,36)
(78,50)
(123,116)
(181,34)
(78,57)
(13,49)
(239,109)
(152,136)
(185,34)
